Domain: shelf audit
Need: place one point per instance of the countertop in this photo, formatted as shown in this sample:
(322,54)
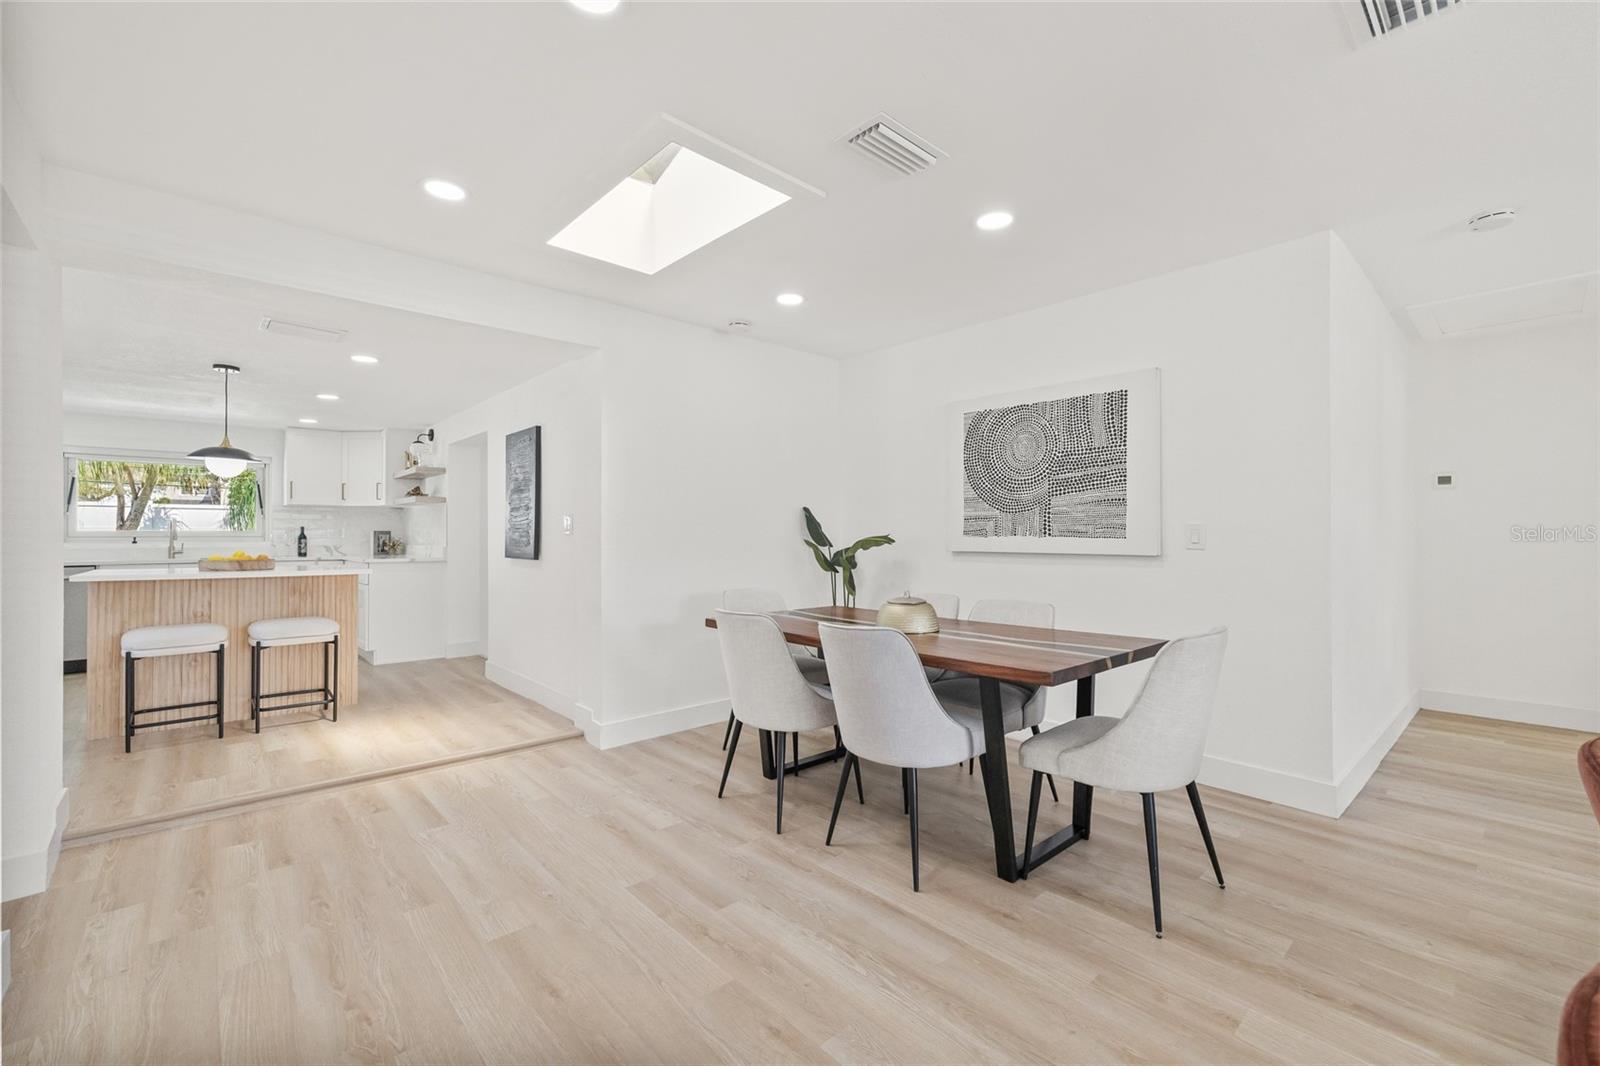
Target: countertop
(191,572)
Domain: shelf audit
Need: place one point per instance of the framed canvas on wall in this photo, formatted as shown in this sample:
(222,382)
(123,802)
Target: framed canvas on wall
(522,494)
(1068,469)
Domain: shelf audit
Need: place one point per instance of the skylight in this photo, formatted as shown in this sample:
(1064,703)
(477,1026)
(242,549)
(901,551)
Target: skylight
(676,203)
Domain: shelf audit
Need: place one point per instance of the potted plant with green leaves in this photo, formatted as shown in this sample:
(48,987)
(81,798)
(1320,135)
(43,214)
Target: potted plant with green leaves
(838,563)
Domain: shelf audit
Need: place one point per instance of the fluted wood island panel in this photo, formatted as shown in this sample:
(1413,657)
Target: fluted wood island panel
(116,606)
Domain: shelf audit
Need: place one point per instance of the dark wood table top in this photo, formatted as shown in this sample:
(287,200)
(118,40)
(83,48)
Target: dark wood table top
(1022,654)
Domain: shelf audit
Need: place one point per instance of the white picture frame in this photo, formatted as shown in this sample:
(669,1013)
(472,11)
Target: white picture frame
(1012,505)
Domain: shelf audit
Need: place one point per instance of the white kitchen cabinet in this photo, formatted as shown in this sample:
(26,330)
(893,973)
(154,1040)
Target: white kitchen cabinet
(401,611)
(313,467)
(364,475)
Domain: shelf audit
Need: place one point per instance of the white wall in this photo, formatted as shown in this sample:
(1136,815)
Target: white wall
(1510,627)
(1243,349)
(1372,542)
(466,598)
(543,616)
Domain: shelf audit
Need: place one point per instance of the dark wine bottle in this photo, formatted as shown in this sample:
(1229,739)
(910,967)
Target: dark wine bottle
(300,545)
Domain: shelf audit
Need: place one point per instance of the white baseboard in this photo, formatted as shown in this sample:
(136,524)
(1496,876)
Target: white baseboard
(464,650)
(1275,786)
(661,723)
(1585,720)
(29,873)
(1348,785)
(567,706)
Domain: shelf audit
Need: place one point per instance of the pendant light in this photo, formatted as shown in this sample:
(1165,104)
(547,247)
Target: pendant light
(224,460)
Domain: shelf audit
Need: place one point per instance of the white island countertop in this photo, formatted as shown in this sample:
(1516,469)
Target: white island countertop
(191,572)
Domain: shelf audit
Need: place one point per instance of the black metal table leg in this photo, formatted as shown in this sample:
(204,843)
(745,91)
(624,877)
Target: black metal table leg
(996,781)
(1082,794)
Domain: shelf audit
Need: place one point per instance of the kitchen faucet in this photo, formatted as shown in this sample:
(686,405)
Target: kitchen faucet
(174,548)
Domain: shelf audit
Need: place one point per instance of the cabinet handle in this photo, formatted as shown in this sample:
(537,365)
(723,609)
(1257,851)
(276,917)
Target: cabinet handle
(377,490)
(291,490)
(341,490)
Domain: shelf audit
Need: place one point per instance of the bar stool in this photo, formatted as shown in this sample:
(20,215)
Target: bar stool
(150,642)
(285,632)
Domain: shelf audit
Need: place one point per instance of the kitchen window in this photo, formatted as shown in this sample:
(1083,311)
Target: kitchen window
(128,494)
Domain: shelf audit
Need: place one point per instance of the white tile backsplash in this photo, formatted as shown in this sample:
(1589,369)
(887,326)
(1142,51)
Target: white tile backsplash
(347,528)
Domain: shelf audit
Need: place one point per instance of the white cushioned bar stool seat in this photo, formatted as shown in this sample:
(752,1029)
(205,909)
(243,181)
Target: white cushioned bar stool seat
(149,642)
(273,632)
(283,633)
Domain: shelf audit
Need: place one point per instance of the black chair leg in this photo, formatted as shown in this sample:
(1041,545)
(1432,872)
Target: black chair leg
(1150,846)
(1205,831)
(1033,821)
(1054,795)
(838,796)
(969,767)
(796,737)
(727,764)
(127,703)
(911,805)
(778,741)
(838,742)
(905,791)
(221,689)
(728,732)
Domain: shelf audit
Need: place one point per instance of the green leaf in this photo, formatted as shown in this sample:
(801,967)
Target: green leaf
(815,528)
(822,560)
(871,542)
(850,582)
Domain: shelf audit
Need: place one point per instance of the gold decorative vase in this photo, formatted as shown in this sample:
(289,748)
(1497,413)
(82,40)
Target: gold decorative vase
(909,614)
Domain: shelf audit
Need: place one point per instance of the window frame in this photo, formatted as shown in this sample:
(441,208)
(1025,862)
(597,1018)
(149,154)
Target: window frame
(69,465)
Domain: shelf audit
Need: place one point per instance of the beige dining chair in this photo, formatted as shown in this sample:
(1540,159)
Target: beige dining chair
(770,601)
(768,691)
(1156,746)
(1021,707)
(888,714)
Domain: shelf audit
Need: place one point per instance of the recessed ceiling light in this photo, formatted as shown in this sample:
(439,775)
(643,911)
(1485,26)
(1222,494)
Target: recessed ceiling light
(791,299)
(440,189)
(361,358)
(326,396)
(309,421)
(994,220)
(596,7)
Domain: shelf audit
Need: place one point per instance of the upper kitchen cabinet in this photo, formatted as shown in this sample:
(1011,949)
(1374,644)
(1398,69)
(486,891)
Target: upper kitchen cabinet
(313,468)
(328,468)
(364,473)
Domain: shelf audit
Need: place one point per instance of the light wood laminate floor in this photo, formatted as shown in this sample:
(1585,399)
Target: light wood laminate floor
(409,713)
(569,904)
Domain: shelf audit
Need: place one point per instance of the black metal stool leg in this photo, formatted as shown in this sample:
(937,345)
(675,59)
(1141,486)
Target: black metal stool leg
(127,703)
(335,690)
(255,685)
(221,688)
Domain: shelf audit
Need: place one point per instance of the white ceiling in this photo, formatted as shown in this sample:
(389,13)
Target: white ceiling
(1128,139)
(143,347)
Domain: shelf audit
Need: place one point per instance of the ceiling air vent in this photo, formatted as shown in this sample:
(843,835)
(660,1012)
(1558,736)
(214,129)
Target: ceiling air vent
(1383,17)
(896,147)
(300,329)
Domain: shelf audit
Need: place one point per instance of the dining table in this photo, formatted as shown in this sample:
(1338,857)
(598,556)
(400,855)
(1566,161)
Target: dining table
(996,654)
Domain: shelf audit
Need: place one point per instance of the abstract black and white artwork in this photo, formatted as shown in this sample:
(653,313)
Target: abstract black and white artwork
(1067,469)
(522,494)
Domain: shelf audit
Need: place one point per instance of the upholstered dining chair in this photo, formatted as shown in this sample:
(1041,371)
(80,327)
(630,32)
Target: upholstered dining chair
(1579,1041)
(1154,747)
(1020,706)
(770,601)
(889,714)
(768,690)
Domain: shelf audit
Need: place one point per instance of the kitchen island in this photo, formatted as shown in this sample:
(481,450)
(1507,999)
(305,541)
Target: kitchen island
(121,599)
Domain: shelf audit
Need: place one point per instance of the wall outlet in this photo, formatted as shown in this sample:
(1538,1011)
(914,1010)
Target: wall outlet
(1194,537)
(566,523)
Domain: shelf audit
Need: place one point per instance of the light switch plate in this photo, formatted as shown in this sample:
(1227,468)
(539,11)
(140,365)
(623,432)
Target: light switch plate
(1194,537)
(566,523)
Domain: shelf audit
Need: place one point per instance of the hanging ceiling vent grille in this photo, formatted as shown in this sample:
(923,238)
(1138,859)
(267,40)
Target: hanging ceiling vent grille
(1384,17)
(891,144)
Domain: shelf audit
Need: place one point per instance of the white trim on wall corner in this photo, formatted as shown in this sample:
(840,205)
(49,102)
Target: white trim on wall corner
(464,650)
(29,873)
(1275,786)
(1348,785)
(662,723)
(1584,720)
(568,707)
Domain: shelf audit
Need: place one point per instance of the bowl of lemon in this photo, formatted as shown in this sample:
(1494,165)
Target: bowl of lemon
(240,560)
